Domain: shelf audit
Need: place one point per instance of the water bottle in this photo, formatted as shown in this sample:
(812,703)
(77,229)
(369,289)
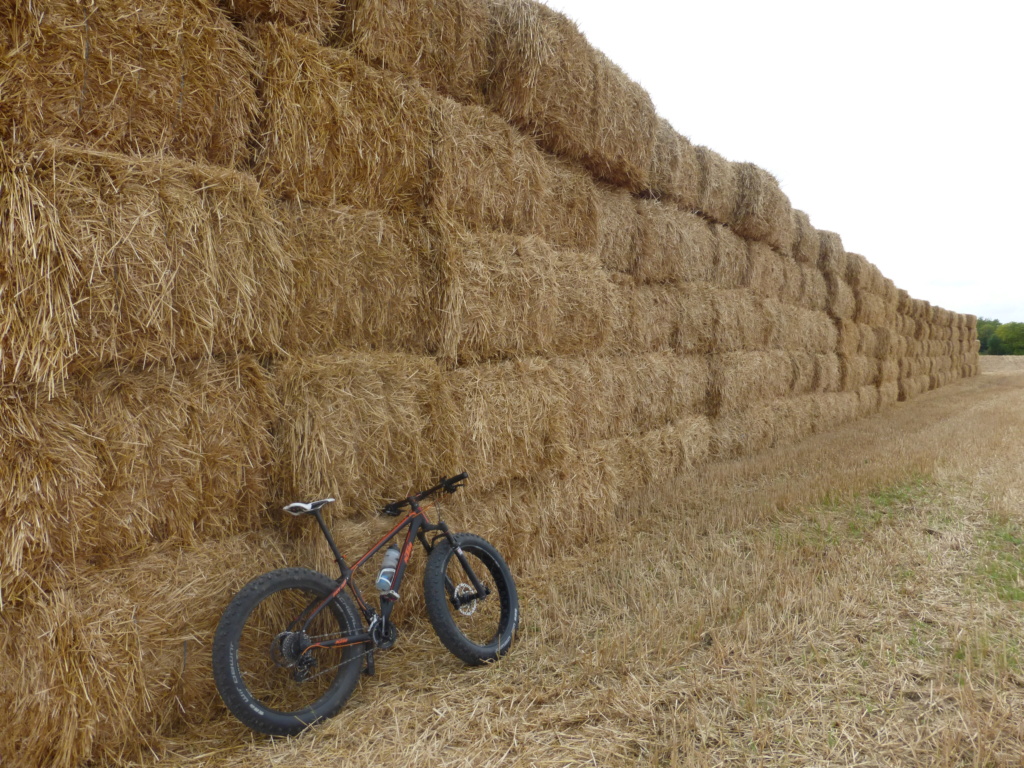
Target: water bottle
(387,569)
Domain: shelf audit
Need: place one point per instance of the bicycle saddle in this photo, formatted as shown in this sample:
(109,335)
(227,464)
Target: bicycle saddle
(297,508)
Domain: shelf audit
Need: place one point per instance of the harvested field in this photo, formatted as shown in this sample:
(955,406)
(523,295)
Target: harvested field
(887,607)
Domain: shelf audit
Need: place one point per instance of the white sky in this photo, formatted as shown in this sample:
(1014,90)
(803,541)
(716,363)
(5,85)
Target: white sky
(896,124)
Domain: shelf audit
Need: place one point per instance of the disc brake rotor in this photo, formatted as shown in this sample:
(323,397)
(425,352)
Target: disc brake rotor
(469,608)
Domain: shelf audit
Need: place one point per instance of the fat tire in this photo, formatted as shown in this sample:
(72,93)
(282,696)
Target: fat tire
(439,608)
(228,676)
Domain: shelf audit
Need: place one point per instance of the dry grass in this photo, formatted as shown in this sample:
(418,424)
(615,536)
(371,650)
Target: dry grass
(733,618)
(313,17)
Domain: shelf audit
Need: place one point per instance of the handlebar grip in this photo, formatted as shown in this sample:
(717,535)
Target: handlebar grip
(452,484)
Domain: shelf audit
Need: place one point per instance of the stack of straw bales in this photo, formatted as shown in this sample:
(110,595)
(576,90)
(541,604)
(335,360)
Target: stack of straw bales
(256,250)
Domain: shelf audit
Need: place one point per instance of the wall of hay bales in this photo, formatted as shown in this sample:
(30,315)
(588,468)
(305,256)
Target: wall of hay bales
(254,250)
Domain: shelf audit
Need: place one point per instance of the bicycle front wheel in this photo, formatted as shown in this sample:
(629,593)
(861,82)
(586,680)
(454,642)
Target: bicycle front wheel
(266,665)
(475,628)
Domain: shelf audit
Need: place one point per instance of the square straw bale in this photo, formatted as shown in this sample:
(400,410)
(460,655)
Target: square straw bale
(570,212)
(762,211)
(888,371)
(718,185)
(673,246)
(126,261)
(484,173)
(675,171)
(858,272)
(832,255)
(618,228)
(837,408)
(806,242)
(122,654)
(888,394)
(315,18)
(885,342)
(506,296)
(813,288)
(804,330)
(766,272)
(805,372)
(732,259)
(665,318)
(624,128)
(857,371)
(828,376)
(361,427)
(442,43)
(51,481)
(661,454)
(791,291)
(335,130)
(509,419)
(868,342)
(869,308)
(362,280)
(143,78)
(541,76)
(164,454)
(867,400)
(744,322)
(742,433)
(842,303)
(741,379)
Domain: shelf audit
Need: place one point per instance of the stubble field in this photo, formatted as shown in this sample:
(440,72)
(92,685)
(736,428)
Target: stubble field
(854,599)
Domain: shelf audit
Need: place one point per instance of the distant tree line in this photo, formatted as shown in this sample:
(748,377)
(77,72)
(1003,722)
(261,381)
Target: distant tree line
(1000,338)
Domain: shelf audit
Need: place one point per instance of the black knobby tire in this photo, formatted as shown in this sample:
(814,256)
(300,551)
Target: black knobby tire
(251,670)
(483,630)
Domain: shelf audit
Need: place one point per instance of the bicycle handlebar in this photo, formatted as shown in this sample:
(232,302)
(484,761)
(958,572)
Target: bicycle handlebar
(447,485)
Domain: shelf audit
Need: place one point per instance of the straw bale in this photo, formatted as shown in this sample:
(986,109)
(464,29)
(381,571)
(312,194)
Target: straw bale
(888,371)
(335,130)
(831,256)
(885,342)
(791,291)
(121,655)
(762,212)
(766,274)
(890,295)
(718,185)
(867,398)
(662,454)
(857,371)
(623,129)
(125,460)
(570,216)
(541,76)
(828,376)
(805,330)
(619,229)
(813,288)
(361,281)
(142,78)
(673,246)
(741,379)
(442,43)
(505,295)
(361,427)
(806,242)
(732,258)
(858,272)
(124,261)
(484,173)
(869,308)
(842,304)
(888,394)
(868,343)
(805,371)
(776,422)
(744,321)
(315,18)
(509,419)
(836,408)
(675,171)
(663,318)
(903,302)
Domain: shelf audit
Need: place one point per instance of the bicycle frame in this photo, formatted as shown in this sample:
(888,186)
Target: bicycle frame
(419,525)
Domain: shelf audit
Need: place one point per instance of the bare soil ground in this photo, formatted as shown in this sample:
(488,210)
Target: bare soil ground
(851,600)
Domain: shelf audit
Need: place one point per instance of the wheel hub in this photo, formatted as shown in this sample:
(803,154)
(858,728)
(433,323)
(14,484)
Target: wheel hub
(468,608)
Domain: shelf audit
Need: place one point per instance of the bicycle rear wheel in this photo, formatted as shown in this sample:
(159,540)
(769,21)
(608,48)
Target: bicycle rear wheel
(477,630)
(264,670)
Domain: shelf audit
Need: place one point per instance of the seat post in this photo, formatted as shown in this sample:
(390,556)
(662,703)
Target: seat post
(330,541)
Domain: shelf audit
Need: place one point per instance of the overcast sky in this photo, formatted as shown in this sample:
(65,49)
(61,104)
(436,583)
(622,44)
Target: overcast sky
(896,124)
